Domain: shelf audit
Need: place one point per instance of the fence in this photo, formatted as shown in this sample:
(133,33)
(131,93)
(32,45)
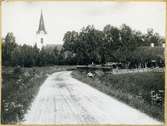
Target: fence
(140,70)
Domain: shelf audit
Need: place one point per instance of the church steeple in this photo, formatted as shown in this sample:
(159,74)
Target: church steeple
(41,28)
(41,33)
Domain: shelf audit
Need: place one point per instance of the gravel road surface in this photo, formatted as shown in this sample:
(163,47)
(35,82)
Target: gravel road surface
(63,99)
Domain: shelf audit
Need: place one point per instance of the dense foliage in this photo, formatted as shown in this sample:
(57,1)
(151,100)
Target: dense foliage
(112,44)
(26,55)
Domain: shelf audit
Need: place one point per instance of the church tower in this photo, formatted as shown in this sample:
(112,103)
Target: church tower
(41,33)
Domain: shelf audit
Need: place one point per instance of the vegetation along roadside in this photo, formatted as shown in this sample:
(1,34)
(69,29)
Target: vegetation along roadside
(19,87)
(143,91)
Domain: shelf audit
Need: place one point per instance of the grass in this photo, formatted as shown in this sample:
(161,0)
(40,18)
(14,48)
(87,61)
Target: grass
(134,89)
(19,87)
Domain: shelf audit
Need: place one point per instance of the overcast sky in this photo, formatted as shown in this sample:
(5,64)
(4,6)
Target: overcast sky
(22,18)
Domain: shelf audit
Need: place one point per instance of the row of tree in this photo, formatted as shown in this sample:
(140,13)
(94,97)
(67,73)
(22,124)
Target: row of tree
(26,55)
(112,44)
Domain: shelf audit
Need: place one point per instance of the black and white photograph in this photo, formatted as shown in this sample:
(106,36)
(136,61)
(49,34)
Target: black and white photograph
(83,62)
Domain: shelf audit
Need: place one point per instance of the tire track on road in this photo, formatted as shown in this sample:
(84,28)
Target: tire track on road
(63,99)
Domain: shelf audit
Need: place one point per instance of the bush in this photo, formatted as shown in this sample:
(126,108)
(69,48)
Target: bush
(17,70)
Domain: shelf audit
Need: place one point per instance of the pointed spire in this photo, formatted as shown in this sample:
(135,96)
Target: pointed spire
(41,27)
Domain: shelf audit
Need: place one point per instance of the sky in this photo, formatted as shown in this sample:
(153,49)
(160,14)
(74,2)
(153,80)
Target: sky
(22,18)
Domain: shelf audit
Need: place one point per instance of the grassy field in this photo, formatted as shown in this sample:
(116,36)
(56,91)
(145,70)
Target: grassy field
(143,91)
(19,87)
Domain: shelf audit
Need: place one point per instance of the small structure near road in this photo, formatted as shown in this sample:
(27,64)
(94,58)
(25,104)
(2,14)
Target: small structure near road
(91,75)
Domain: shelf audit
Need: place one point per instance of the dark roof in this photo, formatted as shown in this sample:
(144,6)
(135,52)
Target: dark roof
(153,52)
(52,46)
(41,27)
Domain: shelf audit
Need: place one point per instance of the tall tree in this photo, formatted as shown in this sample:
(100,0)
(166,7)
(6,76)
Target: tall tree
(112,42)
(152,37)
(9,45)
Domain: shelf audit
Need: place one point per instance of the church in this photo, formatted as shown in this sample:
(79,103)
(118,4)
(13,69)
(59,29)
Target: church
(42,36)
(41,33)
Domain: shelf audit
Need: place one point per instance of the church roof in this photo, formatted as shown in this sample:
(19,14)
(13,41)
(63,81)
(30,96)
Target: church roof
(41,27)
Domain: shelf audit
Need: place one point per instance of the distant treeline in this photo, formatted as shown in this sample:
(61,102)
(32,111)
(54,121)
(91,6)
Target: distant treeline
(26,55)
(112,44)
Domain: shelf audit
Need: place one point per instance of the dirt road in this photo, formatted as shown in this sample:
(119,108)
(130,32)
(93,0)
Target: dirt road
(63,99)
